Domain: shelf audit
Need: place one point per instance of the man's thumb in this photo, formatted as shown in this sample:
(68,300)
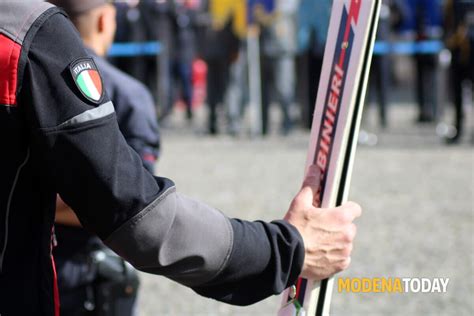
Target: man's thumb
(312,182)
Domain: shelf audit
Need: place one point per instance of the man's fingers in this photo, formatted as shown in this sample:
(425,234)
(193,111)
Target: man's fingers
(311,182)
(343,265)
(349,211)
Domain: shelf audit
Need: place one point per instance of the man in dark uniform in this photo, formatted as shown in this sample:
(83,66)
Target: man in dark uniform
(184,52)
(59,133)
(421,22)
(459,28)
(79,277)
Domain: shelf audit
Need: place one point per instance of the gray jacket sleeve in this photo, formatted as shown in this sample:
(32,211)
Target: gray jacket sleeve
(231,260)
(176,236)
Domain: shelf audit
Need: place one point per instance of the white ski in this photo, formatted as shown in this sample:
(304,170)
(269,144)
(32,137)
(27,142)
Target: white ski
(335,129)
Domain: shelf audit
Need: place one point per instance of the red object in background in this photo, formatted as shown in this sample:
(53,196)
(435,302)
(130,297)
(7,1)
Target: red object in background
(192,4)
(199,78)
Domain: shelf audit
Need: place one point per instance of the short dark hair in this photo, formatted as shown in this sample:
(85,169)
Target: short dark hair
(77,7)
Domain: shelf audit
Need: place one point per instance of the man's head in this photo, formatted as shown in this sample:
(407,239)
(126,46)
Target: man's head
(94,19)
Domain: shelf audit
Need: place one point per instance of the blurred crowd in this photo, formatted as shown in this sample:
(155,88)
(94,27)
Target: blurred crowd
(243,56)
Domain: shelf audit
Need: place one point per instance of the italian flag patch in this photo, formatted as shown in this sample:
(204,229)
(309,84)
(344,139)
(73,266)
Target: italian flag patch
(87,79)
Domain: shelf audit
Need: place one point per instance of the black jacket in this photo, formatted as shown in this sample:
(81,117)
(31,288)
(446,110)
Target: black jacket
(59,133)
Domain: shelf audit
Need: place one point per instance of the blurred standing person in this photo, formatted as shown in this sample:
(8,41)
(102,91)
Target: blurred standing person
(279,47)
(459,26)
(184,52)
(81,282)
(132,26)
(313,20)
(158,19)
(237,90)
(236,94)
(221,49)
(423,22)
(379,79)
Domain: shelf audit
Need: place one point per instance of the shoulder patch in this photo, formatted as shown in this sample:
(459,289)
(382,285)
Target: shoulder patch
(87,78)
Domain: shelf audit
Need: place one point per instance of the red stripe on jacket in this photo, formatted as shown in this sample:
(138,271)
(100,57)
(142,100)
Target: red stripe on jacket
(9,58)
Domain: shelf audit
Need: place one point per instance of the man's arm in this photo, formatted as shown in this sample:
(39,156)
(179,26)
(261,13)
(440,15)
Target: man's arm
(102,179)
(141,217)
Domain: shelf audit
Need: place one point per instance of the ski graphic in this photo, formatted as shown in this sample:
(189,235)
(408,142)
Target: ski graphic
(335,129)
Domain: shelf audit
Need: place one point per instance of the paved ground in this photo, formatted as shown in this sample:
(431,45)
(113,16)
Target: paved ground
(417,196)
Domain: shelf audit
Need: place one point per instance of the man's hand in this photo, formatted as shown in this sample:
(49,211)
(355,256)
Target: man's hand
(64,214)
(328,234)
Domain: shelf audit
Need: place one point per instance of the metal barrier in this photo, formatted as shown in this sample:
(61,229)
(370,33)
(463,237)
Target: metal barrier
(408,48)
(130,49)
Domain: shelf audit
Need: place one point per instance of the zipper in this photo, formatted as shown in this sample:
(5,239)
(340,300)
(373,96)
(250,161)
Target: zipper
(7,214)
(53,244)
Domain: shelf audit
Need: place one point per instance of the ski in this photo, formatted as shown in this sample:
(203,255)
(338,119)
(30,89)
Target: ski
(335,128)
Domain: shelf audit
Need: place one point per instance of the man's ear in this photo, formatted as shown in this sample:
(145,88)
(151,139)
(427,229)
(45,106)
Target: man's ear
(101,21)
